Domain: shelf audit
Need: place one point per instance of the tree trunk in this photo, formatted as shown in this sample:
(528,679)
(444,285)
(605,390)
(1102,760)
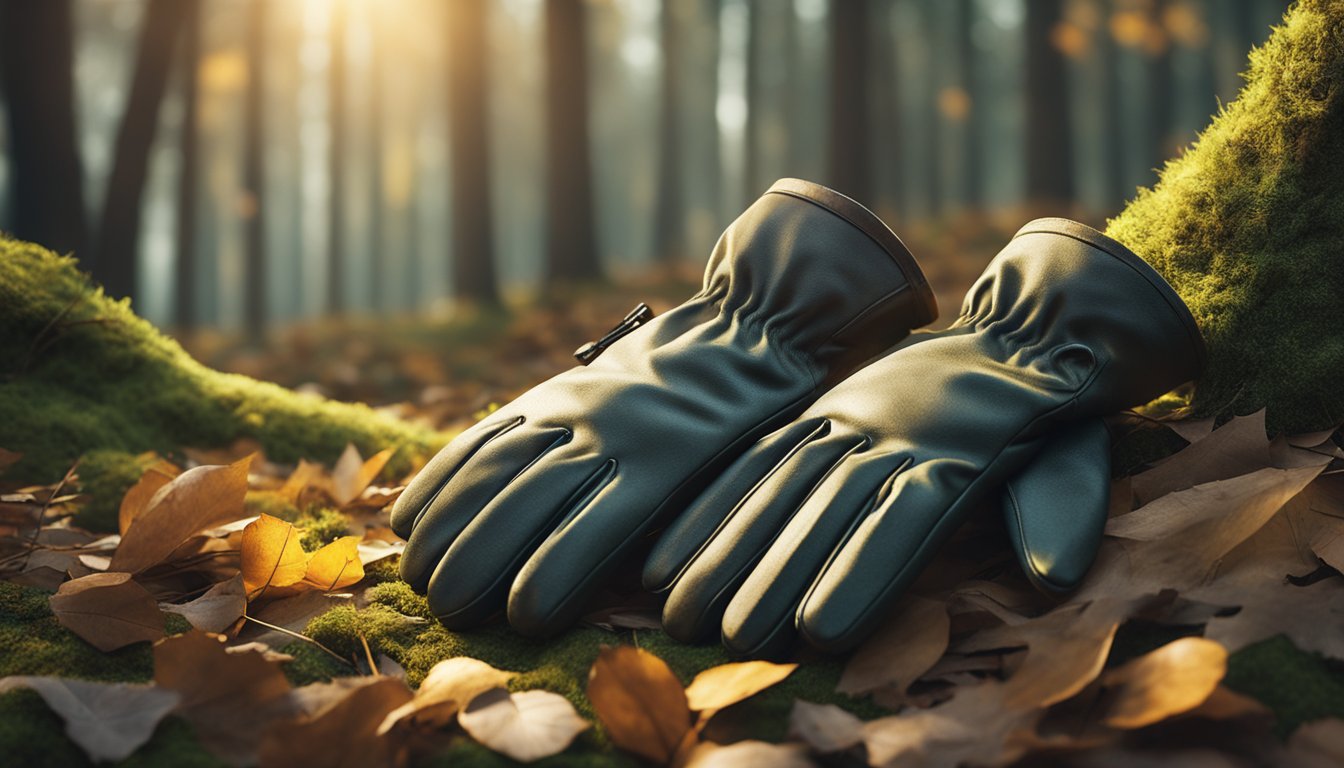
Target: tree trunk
(972,159)
(1113,138)
(185,316)
(849,167)
(473,255)
(755,99)
(571,247)
(378,250)
(118,248)
(254,174)
(1049,137)
(1160,96)
(36,61)
(669,214)
(336,119)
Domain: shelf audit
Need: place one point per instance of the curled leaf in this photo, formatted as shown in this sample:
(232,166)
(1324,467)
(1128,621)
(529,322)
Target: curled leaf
(525,726)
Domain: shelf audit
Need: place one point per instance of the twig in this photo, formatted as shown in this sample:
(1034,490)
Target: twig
(305,638)
(368,653)
(42,514)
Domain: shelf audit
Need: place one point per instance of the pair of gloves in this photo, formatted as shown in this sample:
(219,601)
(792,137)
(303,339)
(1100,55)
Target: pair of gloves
(804,453)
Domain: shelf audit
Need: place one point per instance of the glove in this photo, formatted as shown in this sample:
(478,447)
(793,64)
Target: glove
(818,528)
(532,506)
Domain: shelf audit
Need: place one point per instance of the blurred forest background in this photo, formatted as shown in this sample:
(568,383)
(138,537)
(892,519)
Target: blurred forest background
(241,167)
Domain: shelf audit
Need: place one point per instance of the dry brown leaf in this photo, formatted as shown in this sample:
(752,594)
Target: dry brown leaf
(341,734)
(108,721)
(371,550)
(227,698)
(906,646)
(1191,430)
(748,754)
(727,684)
(1311,616)
(450,685)
(1318,744)
(1169,681)
(290,613)
(1178,541)
(108,610)
(524,726)
(198,498)
(352,474)
(215,611)
(1237,448)
(303,476)
(825,727)
(272,556)
(975,727)
(136,500)
(639,701)
(1067,649)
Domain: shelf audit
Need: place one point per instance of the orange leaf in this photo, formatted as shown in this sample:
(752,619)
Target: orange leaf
(1171,680)
(272,556)
(640,701)
(336,565)
(727,684)
(137,499)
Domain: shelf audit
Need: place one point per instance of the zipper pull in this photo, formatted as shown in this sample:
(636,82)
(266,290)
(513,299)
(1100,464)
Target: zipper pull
(638,316)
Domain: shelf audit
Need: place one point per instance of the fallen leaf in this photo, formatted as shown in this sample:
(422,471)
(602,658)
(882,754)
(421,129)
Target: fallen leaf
(748,754)
(137,499)
(335,565)
(974,728)
(450,685)
(108,721)
(639,701)
(1191,430)
(825,727)
(1237,448)
(227,698)
(108,610)
(342,734)
(352,475)
(525,726)
(272,556)
(216,610)
(290,613)
(1318,744)
(1171,680)
(1311,616)
(198,498)
(727,684)
(303,476)
(905,647)
(373,550)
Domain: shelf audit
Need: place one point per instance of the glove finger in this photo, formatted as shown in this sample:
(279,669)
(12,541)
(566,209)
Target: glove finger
(701,591)
(1055,508)
(413,501)
(759,619)
(484,475)
(883,555)
(472,580)
(696,526)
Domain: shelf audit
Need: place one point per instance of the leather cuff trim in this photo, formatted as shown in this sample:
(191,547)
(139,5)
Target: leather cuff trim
(1083,233)
(867,222)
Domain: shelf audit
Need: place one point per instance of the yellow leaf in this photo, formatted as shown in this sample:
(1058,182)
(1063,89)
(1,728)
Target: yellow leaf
(727,684)
(272,556)
(336,565)
(352,475)
(640,701)
(1173,679)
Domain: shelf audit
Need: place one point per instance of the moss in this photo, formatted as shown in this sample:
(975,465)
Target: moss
(1248,226)
(80,372)
(105,476)
(36,644)
(1297,685)
(321,525)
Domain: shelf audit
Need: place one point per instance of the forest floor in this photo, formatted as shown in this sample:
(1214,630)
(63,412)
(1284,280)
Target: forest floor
(1210,630)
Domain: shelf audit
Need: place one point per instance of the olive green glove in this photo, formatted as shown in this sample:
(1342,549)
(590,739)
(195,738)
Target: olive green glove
(534,505)
(818,528)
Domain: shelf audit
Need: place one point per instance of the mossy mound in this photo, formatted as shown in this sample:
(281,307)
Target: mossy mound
(81,372)
(1248,226)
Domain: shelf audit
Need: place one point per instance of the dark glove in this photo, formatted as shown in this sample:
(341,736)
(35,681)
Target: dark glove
(537,502)
(821,526)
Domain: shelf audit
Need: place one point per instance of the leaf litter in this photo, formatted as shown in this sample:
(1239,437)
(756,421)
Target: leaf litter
(1236,537)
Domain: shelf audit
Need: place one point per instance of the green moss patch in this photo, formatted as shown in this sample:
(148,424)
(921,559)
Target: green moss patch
(80,372)
(1248,226)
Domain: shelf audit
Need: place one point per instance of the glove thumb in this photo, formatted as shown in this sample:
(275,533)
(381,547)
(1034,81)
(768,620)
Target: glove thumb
(1055,508)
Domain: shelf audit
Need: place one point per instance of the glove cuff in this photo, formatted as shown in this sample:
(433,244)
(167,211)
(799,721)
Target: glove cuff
(1110,246)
